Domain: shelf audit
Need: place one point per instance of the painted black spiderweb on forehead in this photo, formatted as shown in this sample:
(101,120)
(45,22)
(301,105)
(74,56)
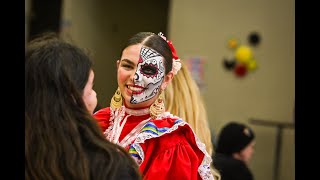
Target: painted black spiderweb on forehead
(147,53)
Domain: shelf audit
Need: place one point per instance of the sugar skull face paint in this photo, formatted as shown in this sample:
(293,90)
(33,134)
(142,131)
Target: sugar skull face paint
(149,75)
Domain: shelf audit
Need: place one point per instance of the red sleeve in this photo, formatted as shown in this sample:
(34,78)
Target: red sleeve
(180,161)
(102,116)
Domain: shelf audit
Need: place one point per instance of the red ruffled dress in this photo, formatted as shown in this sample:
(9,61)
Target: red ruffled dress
(165,147)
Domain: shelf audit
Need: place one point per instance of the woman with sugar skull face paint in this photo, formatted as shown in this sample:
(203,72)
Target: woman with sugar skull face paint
(149,75)
(163,145)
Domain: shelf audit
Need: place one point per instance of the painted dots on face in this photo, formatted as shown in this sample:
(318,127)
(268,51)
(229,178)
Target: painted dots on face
(149,75)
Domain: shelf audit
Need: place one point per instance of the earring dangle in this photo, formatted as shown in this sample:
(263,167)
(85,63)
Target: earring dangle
(116,101)
(157,107)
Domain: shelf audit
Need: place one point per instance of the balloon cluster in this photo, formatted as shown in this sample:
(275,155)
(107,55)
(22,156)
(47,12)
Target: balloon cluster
(243,59)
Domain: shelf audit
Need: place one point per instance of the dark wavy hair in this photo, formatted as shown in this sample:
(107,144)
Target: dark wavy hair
(155,42)
(62,139)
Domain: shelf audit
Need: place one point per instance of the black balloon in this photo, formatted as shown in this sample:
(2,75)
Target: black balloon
(229,64)
(254,38)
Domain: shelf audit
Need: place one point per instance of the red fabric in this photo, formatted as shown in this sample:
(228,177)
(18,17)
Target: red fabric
(102,116)
(171,156)
(174,53)
(131,123)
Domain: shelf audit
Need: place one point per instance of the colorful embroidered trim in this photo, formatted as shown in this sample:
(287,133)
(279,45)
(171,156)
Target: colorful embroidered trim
(150,127)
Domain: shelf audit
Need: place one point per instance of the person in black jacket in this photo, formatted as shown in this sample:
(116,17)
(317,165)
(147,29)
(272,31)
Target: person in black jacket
(235,146)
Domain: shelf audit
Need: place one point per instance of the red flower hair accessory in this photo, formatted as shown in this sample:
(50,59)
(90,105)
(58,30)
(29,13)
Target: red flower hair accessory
(176,64)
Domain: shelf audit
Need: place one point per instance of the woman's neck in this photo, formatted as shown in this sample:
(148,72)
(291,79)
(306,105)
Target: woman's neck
(137,111)
(137,106)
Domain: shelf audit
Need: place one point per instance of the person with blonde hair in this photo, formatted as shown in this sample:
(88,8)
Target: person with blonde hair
(183,99)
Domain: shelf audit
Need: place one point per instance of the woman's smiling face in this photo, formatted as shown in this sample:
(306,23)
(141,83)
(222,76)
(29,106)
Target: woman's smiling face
(140,75)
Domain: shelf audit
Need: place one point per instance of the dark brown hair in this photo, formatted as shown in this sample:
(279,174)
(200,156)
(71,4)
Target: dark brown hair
(155,42)
(62,139)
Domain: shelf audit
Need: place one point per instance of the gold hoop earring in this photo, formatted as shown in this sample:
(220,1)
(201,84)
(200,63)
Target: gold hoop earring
(157,107)
(116,101)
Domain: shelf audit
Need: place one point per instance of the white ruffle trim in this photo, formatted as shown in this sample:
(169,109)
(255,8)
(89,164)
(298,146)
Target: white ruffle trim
(176,66)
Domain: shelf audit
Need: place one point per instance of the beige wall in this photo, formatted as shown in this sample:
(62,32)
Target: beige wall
(102,27)
(202,28)
(86,26)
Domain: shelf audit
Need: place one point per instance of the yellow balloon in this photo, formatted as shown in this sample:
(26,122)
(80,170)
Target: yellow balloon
(243,54)
(252,65)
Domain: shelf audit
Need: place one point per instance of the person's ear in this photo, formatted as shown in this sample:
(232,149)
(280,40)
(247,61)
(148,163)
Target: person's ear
(118,63)
(237,155)
(167,79)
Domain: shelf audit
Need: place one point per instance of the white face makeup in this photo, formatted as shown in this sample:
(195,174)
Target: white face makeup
(149,75)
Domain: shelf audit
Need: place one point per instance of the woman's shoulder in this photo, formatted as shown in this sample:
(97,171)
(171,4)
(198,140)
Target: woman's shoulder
(102,116)
(231,168)
(166,120)
(169,130)
(227,162)
(166,124)
(171,139)
(103,113)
